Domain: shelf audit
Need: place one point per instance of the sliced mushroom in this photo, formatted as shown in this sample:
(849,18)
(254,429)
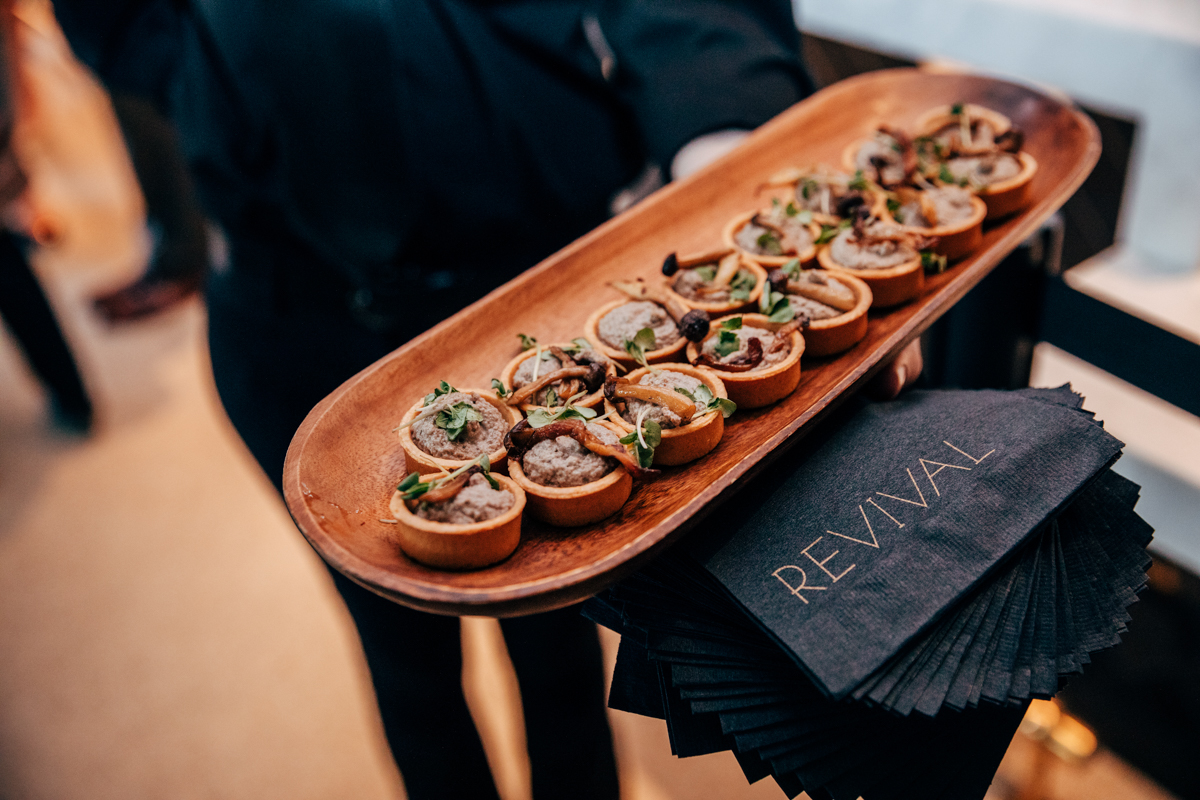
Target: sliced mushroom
(616,389)
(523,436)
(523,395)
(448,490)
(693,323)
(743,362)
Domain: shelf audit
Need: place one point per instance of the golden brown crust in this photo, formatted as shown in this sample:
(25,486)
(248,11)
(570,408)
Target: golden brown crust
(572,506)
(736,224)
(449,546)
(889,287)
(592,400)
(757,388)
(728,307)
(417,460)
(691,441)
(1008,197)
(825,337)
(591,332)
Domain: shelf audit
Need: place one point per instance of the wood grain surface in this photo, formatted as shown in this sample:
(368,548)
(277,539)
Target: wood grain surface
(345,459)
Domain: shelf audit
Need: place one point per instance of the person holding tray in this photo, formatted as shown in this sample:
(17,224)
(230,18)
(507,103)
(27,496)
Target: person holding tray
(377,168)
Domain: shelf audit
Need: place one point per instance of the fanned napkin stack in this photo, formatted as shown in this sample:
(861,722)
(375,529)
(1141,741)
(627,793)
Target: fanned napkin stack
(872,616)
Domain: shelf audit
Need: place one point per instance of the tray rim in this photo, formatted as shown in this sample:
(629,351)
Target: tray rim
(565,588)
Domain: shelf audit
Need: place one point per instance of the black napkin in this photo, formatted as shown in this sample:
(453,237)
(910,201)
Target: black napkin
(994,552)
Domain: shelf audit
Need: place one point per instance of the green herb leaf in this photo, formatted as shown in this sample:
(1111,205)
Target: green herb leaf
(790,209)
(792,269)
(777,308)
(643,342)
(527,342)
(454,419)
(732,324)
(541,417)
(686,393)
(956,110)
(707,274)
(486,464)
(828,234)
(769,243)
(703,394)
(443,388)
(552,398)
(724,405)
(945,176)
(652,433)
(628,438)
(406,484)
(859,182)
(742,285)
(933,263)
(577,345)
(807,187)
(804,217)
(727,343)
(501,392)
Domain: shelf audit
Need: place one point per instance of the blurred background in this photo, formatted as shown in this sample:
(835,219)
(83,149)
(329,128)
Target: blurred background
(165,631)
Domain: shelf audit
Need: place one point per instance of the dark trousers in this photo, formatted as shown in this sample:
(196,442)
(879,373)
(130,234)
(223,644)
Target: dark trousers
(23,306)
(278,349)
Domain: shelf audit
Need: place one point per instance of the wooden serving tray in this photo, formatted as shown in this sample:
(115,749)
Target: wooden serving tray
(345,459)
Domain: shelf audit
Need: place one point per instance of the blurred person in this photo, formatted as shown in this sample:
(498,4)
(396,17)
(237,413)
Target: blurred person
(377,167)
(23,304)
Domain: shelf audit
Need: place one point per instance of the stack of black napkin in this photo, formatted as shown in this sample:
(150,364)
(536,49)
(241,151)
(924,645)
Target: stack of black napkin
(872,616)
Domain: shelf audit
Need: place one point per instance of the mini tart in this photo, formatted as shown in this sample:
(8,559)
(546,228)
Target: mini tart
(957,240)
(825,337)
(687,442)
(417,460)
(740,220)
(572,506)
(890,286)
(591,332)
(1003,198)
(937,118)
(760,387)
(748,264)
(592,400)
(446,545)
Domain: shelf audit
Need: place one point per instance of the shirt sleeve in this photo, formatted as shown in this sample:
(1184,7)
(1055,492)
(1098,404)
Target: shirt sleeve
(690,67)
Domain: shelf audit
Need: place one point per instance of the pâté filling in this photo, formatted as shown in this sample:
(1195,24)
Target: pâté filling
(456,425)
(782,230)
(466,496)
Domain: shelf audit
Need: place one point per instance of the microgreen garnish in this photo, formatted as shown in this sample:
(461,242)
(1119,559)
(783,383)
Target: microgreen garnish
(412,487)
(932,262)
(501,392)
(527,342)
(776,306)
(808,187)
(577,345)
(792,269)
(454,419)
(727,343)
(732,324)
(859,182)
(552,398)
(707,274)
(643,342)
(443,388)
(540,417)
(742,285)
(790,209)
(769,243)
(646,436)
(956,109)
(828,234)
(893,207)
(804,217)
(945,176)
(706,401)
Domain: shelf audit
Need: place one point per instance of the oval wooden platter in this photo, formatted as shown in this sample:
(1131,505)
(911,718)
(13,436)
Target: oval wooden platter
(345,459)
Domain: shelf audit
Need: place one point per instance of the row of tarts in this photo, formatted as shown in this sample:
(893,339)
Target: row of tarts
(575,424)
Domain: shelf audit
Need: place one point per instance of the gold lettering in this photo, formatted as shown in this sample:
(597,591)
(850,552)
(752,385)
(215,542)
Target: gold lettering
(821,564)
(976,460)
(796,590)
(922,504)
(940,466)
(886,514)
(873,543)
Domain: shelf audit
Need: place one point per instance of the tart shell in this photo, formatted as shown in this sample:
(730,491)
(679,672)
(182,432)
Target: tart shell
(937,118)
(592,400)
(740,220)
(1008,197)
(691,441)
(958,240)
(417,460)
(446,545)
(889,287)
(572,506)
(591,332)
(760,387)
(825,337)
(728,307)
